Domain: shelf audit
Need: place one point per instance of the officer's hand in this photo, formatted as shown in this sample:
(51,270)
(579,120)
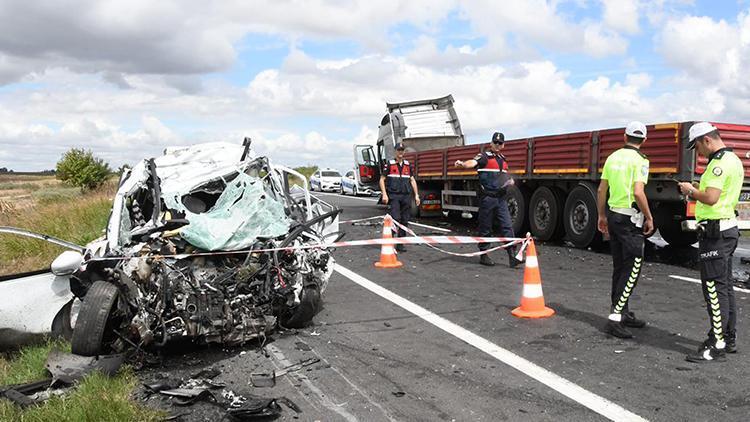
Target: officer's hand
(648,226)
(685,187)
(459,164)
(602,225)
(417,200)
(385,198)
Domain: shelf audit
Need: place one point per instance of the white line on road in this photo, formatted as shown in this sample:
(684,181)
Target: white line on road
(695,280)
(594,402)
(320,396)
(347,197)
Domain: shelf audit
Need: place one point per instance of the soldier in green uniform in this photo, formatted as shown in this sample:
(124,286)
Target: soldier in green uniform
(625,176)
(717,197)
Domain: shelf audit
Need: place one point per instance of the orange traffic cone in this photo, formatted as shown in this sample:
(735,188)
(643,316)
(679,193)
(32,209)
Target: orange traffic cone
(387,252)
(532,301)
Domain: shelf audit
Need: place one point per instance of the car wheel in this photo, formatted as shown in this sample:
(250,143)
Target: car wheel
(302,315)
(94,327)
(341,190)
(354,191)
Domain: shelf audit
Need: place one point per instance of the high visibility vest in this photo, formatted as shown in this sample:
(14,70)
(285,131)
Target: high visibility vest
(398,178)
(493,171)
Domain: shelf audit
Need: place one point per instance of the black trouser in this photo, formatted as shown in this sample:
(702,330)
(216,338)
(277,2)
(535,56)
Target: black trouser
(400,209)
(491,209)
(626,243)
(716,252)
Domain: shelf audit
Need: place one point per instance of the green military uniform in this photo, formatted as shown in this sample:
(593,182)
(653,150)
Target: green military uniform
(718,235)
(622,170)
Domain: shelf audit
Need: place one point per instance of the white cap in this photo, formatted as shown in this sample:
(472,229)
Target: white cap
(636,129)
(697,130)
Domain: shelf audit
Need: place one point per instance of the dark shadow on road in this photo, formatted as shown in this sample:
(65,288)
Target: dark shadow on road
(648,336)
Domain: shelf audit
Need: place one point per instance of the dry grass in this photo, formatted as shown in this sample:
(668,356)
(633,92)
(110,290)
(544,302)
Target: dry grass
(60,212)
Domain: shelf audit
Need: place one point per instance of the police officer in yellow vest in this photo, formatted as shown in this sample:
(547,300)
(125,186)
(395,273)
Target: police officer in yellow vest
(716,196)
(625,176)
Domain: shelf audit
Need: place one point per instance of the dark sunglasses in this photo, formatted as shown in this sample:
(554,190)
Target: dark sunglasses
(497,143)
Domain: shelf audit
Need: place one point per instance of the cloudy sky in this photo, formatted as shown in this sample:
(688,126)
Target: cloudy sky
(308,79)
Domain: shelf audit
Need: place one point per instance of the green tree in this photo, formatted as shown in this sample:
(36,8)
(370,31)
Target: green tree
(79,167)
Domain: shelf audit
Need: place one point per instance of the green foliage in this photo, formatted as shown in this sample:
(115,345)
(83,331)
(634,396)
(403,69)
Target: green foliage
(96,398)
(306,171)
(79,168)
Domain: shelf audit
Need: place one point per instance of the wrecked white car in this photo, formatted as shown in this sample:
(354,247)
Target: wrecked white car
(207,242)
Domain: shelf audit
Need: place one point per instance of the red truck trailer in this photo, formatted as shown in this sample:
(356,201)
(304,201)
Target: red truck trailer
(556,176)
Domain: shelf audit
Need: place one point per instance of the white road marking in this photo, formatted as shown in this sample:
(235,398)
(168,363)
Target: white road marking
(697,281)
(594,402)
(346,197)
(411,223)
(320,396)
(353,386)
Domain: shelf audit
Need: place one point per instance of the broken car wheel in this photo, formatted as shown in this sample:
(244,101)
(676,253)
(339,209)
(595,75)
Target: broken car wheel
(302,315)
(93,331)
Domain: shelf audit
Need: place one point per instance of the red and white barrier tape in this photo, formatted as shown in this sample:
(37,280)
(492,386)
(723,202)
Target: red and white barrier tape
(413,239)
(510,241)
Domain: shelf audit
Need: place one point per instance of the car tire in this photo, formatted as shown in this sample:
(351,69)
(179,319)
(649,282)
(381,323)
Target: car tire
(354,190)
(302,315)
(93,323)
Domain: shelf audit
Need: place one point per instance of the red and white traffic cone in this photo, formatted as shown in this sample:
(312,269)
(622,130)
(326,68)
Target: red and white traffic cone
(387,251)
(532,300)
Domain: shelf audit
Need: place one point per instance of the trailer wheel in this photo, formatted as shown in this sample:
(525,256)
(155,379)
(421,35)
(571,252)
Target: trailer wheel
(518,203)
(580,218)
(545,212)
(668,219)
(93,331)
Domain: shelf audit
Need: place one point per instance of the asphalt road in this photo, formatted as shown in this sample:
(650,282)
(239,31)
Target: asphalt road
(435,341)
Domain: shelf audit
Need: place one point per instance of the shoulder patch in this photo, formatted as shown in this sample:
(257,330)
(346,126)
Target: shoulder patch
(392,162)
(478,157)
(717,171)
(489,153)
(406,162)
(644,170)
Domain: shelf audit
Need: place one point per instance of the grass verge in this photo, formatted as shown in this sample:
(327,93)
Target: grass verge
(96,398)
(68,215)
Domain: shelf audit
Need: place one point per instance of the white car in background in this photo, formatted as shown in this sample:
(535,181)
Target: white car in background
(326,180)
(350,185)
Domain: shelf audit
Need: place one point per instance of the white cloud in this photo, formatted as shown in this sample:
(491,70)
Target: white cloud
(622,15)
(539,22)
(709,51)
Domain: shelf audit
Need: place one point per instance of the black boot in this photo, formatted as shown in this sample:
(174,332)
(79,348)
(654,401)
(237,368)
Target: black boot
(617,329)
(731,339)
(485,260)
(629,320)
(707,353)
(512,261)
